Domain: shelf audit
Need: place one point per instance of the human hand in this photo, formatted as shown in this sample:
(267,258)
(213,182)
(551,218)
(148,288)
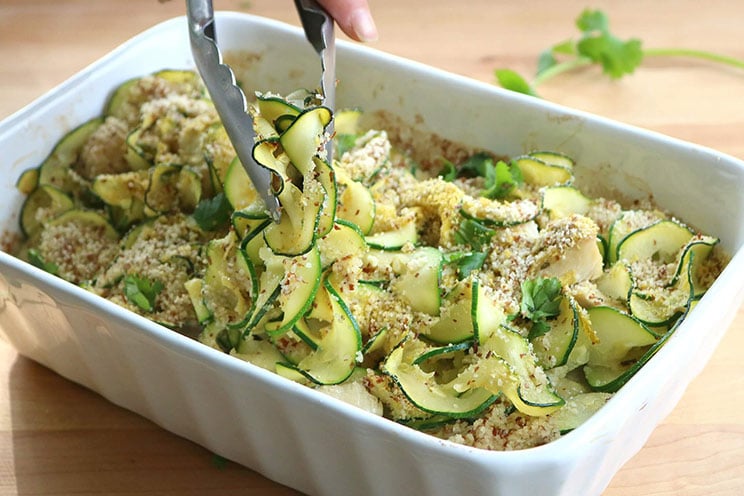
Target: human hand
(353,17)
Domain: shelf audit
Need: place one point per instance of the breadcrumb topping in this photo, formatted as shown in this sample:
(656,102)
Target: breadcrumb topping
(474,286)
(79,249)
(105,151)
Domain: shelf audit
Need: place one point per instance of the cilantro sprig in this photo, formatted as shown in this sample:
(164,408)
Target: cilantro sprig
(472,233)
(477,238)
(344,143)
(599,46)
(466,262)
(212,213)
(142,292)
(499,178)
(541,300)
(38,260)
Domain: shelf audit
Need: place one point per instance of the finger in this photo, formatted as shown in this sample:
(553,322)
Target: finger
(353,17)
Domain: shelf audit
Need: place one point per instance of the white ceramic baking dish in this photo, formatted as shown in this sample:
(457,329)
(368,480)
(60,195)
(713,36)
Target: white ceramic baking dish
(298,436)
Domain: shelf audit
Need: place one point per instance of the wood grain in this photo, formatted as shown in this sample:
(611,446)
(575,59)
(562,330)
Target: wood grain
(58,438)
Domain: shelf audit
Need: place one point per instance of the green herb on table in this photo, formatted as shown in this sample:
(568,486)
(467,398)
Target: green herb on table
(597,46)
(142,292)
(541,300)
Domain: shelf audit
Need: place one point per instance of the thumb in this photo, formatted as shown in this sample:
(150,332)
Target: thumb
(353,17)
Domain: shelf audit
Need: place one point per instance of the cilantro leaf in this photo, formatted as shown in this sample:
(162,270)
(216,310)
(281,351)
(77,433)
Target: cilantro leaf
(541,299)
(597,45)
(546,60)
(617,57)
(448,172)
(477,165)
(567,47)
(539,328)
(474,234)
(511,80)
(592,20)
(466,262)
(344,143)
(469,263)
(35,258)
(212,213)
(141,291)
(506,177)
(499,179)
(477,237)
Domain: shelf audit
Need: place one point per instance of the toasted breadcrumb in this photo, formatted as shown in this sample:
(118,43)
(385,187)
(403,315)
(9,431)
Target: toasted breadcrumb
(105,151)
(169,122)
(500,431)
(509,262)
(167,250)
(80,250)
(568,250)
(370,154)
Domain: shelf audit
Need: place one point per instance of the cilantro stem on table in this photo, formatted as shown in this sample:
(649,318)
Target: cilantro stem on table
(561,68)
(698,54)
(598,46)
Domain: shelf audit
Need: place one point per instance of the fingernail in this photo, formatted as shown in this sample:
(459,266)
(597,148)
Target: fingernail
(363,25)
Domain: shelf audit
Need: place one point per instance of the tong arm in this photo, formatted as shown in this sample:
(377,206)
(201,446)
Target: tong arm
(229,99)
(319,31)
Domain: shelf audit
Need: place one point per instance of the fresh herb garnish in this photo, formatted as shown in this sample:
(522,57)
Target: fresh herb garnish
(506,177)
(499,178)
(477,165)
(212,213)
(477,237)
(597,45)
(37,260)
(449,171)
(473,234)
(141,291)
(541,299)
(466,262)
(344,143)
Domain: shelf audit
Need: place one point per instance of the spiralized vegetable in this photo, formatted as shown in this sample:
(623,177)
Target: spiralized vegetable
(483,299)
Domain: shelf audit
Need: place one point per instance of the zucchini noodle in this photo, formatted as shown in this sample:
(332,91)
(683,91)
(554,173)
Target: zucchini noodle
(479,298)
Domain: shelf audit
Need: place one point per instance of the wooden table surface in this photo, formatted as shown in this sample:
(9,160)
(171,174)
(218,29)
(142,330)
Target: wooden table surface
(57,438)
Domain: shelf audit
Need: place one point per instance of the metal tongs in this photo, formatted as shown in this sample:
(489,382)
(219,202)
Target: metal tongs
(229,100)
(318,26)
